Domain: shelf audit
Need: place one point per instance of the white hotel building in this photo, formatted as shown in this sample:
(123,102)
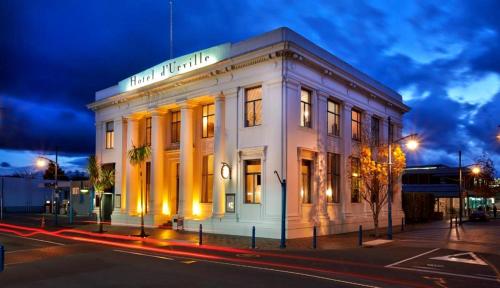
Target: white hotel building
(275,102)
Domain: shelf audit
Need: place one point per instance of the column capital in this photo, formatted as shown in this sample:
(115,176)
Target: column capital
(220,97)
(229,93)
(347,106)
(186,104)
(322,95)
(157,113)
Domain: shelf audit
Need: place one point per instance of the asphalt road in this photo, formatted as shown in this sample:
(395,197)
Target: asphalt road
(68,260)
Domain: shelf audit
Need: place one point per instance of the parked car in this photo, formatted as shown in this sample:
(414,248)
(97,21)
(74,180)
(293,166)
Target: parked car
(478,215)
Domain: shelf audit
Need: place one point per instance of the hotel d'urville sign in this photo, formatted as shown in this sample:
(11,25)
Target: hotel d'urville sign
(176,66)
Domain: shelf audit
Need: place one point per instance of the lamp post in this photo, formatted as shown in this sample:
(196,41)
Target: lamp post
(412,145)
(283,210)
(42,162)
(475,170)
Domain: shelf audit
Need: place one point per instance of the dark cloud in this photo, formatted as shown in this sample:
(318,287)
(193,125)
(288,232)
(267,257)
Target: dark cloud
(56,54)
(4,165)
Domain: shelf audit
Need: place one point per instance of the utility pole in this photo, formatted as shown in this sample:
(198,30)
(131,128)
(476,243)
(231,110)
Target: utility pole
(389,182)
(171,29)
(460,201)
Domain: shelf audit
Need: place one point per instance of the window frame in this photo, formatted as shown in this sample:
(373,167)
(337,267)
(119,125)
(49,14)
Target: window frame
(110,135)
(256,177)
(206,189)
(358,125)
(205,133)
(333,177)
(177,125)
(247,103)
(355,180)
(336,118)
(375,134)
(306,197)
(303,106)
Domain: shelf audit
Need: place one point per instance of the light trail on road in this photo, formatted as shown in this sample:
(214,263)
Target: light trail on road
(194,255)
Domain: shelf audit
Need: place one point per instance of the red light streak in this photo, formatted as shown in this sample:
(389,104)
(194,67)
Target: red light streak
(35,231)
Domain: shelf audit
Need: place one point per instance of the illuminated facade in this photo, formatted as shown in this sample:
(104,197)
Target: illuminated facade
(219,128)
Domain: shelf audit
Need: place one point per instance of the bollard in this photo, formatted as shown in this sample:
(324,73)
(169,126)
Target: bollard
(451,222)
(314,237)
(253,237)
(2,257)
(200,235)
(403,224)
(42,224)
(456,222)
(360,236)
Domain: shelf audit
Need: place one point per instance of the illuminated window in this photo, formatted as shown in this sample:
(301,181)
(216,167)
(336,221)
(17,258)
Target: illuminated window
(305,108)
(208,120)
(376,131)
(148,131)
(305,171)
(253,106)
(356,125)
(333,118)
(253,185)
(175,127)
(333,172)
(355,180)
(207,178)
(110,135)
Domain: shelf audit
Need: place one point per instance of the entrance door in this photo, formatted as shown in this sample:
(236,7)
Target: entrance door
(177,188)
(107,206)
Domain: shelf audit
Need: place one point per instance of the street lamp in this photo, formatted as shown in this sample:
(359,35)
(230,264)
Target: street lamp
(411,144)
(475,170)
(43,162)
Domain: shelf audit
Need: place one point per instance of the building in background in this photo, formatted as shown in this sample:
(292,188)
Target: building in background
(273,103)
(442,182)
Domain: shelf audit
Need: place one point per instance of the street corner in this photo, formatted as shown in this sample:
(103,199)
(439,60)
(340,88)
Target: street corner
(454,263)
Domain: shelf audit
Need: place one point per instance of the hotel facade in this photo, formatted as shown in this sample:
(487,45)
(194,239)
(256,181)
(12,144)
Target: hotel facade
(224,121)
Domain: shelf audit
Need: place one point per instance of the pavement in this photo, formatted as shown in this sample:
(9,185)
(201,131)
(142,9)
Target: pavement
(426,255)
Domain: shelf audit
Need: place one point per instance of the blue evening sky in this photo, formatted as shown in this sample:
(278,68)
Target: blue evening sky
(442,56)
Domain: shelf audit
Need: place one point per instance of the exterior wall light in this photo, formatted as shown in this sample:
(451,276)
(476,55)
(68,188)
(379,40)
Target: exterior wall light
(225,171)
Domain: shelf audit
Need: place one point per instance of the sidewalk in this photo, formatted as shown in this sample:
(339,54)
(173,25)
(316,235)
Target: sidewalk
(472,236)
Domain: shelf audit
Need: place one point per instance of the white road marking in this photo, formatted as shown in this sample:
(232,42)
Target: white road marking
(260,268)
(411,258)
(142,254)
(454,258)
(447,273)
(34,239)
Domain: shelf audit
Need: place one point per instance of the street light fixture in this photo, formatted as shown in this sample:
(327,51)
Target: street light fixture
(43,162)
(411,144)
(475,170)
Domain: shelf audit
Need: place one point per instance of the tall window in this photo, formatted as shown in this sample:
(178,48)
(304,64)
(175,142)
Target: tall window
(305,170)
(376,131)
(333,118)
(175,127)
(110,135)
(148,186)
(208,120)
(391,132)
(253,185)
(305,108)
(333,172)
(207,178)
(355,180)
(148,131)
(356,125)
(253,106)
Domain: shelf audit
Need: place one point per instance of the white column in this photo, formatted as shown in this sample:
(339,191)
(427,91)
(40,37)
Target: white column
(218,204)
(157,159)
(321,163)
(345,198)
(186,161)
(132,170)
(120,147)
